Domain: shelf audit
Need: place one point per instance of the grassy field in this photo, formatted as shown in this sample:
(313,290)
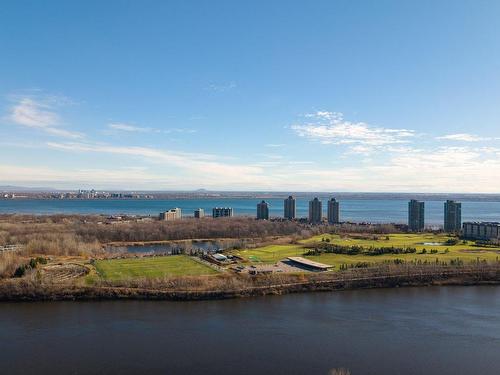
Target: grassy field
(466,252)
(272,253)
(174,265)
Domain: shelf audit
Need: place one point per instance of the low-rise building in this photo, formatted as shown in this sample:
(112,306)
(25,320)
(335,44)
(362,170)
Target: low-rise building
(199,213)
(222,212)
(172,214)
(309,264)
(487,231)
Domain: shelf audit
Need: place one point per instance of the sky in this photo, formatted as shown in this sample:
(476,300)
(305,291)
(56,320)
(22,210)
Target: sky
(367,96)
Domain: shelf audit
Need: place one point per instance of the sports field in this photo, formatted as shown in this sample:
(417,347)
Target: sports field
(428,241)
(173,265)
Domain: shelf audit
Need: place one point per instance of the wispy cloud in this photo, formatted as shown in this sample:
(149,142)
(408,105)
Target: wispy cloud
(128,127)
(124,127)
(221,87)
(465,137)
(179,130)
(40,113)
(460,169)
(206,167)
(445,169)
(332,128)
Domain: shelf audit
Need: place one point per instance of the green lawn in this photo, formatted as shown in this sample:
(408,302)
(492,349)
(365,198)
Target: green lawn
(173,265)
(418,240)
(271,254)
(466,252)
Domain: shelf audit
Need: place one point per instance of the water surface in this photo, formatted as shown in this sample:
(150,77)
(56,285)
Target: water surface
(357,210)
(439,330)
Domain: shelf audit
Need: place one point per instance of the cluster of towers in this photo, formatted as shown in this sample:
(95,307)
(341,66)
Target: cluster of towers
(416,213)
(452,216)
(315,210)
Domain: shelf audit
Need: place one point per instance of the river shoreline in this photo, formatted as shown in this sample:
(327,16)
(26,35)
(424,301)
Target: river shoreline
(31,292)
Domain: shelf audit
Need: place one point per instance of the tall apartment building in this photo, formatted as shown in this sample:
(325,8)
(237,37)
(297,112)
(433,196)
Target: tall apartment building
(333,213)
(172,214)
(416,215)
(199,213)
(289,208)
(263,210)
(315,211)
(452,216)
(481,231)
(222,212)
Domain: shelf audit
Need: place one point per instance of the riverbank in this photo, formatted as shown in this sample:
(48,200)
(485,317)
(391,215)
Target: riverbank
(228,287)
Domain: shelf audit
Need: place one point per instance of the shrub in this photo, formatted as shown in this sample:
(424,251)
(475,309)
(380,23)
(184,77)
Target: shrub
(20,271)
(8,264)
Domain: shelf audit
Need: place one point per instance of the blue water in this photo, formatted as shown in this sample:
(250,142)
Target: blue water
(356,210)
(410,331)
(203,246)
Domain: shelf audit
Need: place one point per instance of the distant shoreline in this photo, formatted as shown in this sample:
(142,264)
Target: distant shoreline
(148,196)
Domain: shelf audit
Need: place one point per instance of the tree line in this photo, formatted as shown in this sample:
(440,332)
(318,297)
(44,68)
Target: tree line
(325,247)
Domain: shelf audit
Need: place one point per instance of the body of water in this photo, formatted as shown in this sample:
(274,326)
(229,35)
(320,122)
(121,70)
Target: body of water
(411,331)
(357,210)
(172,247)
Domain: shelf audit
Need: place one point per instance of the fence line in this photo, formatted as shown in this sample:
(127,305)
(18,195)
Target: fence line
(8,248)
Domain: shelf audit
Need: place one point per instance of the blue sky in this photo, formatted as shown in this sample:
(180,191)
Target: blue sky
(282,95)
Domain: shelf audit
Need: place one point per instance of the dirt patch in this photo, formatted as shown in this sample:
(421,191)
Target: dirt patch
(63,272)
(481,251)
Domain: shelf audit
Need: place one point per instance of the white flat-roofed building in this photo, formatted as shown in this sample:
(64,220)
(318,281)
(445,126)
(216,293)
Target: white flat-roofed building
(172,214)
(316,266)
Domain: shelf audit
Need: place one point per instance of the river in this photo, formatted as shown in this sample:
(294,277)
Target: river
(437,330)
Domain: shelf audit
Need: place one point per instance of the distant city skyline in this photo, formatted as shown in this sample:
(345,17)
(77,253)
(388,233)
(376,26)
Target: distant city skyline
(281,96)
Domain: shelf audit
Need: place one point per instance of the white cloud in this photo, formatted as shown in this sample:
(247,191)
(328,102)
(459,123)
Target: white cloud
(464,137)
(402,167)
(128,127)
(39,114)
(445,169)
(332,128)
(115,178)
(221,87)
(120,126)
(203,167)
(179,130)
